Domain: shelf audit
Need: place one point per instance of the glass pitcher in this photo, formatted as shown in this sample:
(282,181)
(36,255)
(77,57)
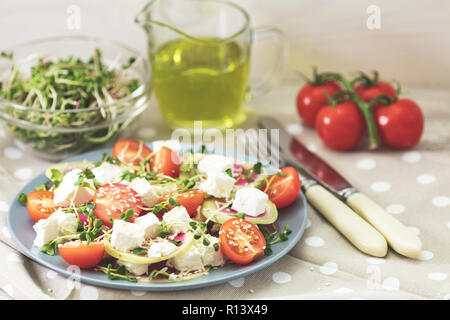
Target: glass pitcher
(199,51)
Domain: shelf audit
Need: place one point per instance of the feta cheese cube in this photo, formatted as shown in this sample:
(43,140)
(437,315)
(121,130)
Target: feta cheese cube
(250,200)
(189,261)
(108,173)
(135,268)
(67,221)
(161,249)
(178,220)
(126,236)
(210,256)
(68,192)
(218,185)
(150,223)
(173,145)
(214,163)
(145,190)
(46,231)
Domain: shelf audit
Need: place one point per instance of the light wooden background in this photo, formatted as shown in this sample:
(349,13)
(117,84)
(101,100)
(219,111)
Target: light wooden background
(412,45)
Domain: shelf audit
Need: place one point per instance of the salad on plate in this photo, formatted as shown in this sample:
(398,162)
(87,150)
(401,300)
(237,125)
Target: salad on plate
(158,215)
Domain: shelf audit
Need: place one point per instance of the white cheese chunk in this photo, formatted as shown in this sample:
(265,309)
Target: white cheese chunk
(126,236)
(173,145)
(161,249)
(178,220)
(108,173)
(67,191)
(137,269)
(250,200)
(150,223)
(214,163)
(189,261)
(218,185)
(58,224)
(146,191)
(210,256)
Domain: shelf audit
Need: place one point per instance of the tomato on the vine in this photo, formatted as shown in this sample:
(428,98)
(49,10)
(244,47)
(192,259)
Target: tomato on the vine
(400,124)
(340,127)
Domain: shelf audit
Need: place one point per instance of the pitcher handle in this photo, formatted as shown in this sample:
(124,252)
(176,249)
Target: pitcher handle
(272,77)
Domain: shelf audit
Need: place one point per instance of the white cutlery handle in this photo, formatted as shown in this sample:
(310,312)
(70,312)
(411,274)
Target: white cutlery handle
(399,237)
(352,226)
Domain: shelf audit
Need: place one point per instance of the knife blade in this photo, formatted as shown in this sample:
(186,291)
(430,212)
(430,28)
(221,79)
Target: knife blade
(399,237)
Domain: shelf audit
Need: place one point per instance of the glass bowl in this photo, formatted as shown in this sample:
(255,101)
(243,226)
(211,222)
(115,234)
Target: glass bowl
(57,134)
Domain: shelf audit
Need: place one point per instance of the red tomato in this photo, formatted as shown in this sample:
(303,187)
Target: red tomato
(113,199)
(241,241)
(340,127)
(166,162)
(82,254)
(400,124)
(370,92)
(131,151)
(311,99)
(40,204)
(191,200)
(283,190)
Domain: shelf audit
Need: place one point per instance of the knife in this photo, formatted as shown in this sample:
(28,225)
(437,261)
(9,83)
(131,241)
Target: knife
(398,236)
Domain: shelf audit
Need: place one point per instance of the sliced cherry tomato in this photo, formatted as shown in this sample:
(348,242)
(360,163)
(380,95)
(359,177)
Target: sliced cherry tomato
(166,162)
(82,254)
(400,124)
(284,188)
(340,127)
(40,204)
(191,200)
(311,98)
(241,241)
(113,199)
(131,151)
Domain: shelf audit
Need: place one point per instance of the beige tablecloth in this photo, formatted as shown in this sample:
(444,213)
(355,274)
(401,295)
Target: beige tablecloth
(413,185)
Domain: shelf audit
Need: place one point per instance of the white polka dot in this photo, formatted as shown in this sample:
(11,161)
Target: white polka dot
(23,173)
(237,283)
(3,206)
(441,201)
(426,178)
(9,290)
(51,274)
(6,232)
(415,230)
(391,284)
(311,147)
(329,268)
(366,164)
(315,241)
(375,260)
(426,255)
(2,132)
(281,277)
(295,129)
(395,208)
(14,257)
(437,276)
(411,156)
(381,186)
(344,290)
(89,293)
(308,224)
(448,224)
(146,133)
(138,293)
(12,153)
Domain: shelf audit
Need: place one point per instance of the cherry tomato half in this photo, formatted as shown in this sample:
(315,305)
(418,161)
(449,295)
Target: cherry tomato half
(131,151)
(113,199)
(241,241)
(82,254)
(191,200)
(284,189)
(166,162)
(40,204)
